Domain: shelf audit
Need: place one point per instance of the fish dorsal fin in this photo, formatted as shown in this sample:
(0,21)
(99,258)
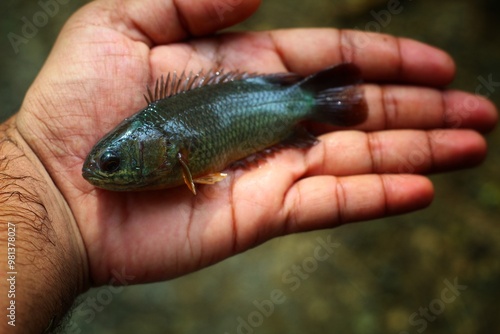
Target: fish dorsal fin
(174,84)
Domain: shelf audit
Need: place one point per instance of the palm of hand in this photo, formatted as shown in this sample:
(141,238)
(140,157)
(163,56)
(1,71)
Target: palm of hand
(100,81)
(95,78)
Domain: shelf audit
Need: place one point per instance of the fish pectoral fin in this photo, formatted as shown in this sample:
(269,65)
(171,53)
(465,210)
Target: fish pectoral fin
(186,173)
(210,178)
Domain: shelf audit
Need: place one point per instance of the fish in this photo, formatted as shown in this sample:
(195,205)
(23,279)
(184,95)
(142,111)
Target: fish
(196,126)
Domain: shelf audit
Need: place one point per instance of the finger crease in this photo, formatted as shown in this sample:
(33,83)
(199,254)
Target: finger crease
(389,107)
(346,49)
(444,113)
(279,51)
(341,201)
(219,55)
(384,195)
(292,214)
(431,154)
(373,144)
(323,159)
(132,25)
(119,14)
(399,66)
(181,19)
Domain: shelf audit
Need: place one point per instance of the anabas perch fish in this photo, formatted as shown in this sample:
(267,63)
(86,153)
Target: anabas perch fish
(195,126)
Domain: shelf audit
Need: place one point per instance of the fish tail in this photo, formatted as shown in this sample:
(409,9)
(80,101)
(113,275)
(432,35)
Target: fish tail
(339,99)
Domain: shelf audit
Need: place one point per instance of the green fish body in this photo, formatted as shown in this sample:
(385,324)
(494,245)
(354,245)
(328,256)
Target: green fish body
(195,126)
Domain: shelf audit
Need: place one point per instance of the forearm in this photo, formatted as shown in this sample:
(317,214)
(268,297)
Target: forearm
(42,265)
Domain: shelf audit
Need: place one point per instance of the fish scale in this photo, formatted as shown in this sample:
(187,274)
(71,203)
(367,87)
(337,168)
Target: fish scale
(230,126)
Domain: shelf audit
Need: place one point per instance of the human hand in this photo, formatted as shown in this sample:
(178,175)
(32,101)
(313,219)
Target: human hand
(109,50)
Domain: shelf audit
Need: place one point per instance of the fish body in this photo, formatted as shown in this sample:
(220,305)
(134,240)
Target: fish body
(195,126)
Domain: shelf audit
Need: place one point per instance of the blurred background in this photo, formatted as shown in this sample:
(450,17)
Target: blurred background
(434,271)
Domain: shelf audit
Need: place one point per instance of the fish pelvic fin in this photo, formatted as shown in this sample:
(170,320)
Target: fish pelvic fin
(339,98)
(210,178)
(186,173)
(188,177)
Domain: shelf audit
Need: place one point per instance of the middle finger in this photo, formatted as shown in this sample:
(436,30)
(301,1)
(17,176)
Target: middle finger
(407,107)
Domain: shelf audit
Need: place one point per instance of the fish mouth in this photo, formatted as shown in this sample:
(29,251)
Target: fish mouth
(89,174)
(96,179)
(92,175)
(92,178)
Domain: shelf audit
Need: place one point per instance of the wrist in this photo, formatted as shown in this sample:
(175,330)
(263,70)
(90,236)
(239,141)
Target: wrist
(43,265)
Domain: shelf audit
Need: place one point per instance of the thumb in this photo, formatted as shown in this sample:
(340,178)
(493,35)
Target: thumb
(205,17)
(165,21)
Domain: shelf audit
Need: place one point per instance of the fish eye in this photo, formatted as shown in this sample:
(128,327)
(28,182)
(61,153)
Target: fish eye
(109,162)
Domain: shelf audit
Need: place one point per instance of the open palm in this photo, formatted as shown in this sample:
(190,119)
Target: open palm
(109,50)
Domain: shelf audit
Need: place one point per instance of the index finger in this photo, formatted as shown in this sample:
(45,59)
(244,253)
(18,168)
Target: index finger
(381,58)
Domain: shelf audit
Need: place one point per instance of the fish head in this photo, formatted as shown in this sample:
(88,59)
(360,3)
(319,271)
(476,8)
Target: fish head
(134,156)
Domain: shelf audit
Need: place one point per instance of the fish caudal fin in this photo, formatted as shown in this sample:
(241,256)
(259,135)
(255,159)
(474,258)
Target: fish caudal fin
(339,99)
